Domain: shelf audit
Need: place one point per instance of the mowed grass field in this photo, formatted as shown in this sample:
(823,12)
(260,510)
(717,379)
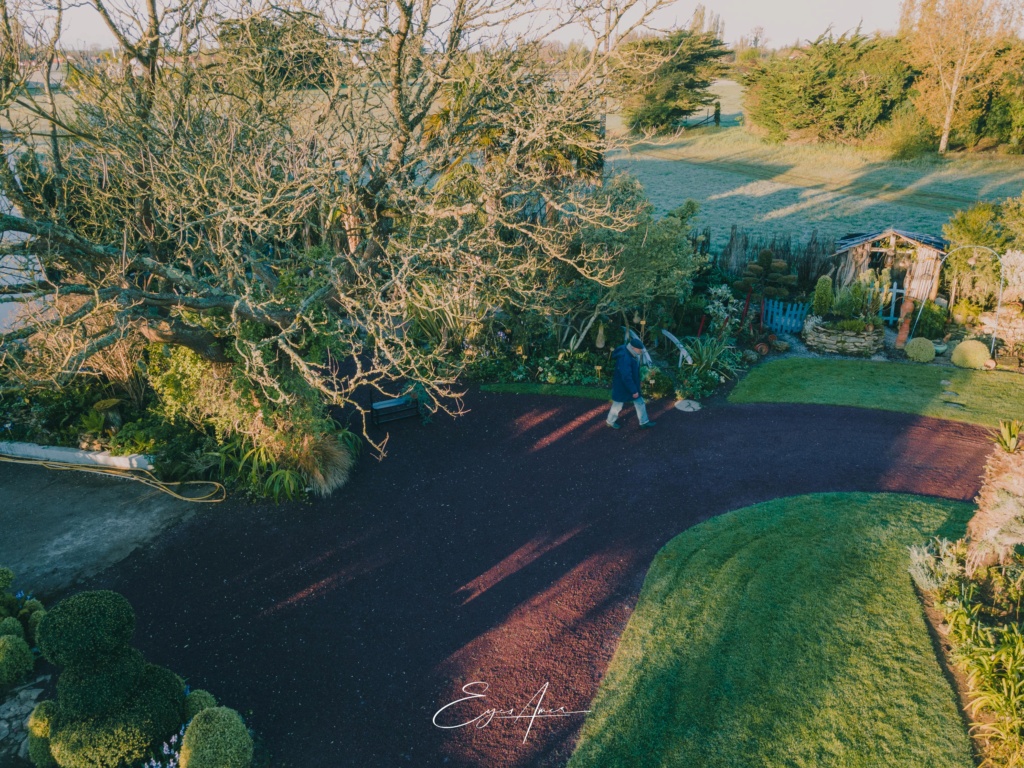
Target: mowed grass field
(957,394)
(794,189)
(784,635)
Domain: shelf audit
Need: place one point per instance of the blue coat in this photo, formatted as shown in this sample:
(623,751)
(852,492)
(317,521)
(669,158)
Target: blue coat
(626,379)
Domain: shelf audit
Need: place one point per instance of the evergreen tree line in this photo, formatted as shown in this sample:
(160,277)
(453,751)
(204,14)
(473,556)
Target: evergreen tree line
(892,91)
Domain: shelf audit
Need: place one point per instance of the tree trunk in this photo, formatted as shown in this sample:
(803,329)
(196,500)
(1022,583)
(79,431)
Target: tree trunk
(947,123)
(199,340)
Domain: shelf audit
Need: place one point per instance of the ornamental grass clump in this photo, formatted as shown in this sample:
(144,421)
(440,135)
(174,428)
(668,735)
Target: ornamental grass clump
(970,354)
(920,350)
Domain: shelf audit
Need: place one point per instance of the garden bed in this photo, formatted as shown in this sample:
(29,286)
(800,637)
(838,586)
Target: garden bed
(821,338)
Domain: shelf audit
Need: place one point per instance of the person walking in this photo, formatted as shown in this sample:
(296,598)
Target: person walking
(626,383)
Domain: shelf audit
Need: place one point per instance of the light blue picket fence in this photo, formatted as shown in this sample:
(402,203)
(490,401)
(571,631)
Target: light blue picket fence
(785,316)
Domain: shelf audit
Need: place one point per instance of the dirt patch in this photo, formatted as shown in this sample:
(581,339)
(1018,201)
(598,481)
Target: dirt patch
(506,548)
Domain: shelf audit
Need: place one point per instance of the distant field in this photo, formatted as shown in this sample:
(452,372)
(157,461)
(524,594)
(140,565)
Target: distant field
(794,189)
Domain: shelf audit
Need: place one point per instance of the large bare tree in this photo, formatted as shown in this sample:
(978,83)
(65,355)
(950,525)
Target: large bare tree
(279,188)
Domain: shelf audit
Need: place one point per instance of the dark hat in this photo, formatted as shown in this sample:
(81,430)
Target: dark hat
(635,342)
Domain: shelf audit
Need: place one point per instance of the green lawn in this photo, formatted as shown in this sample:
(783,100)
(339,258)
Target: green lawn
(566,390)
(784,634)
(981,397)
(789,189)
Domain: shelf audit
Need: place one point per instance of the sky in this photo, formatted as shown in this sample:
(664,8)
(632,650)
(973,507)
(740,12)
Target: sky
(784,21)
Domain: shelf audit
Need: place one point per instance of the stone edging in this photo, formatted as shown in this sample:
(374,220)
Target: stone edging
(860,343)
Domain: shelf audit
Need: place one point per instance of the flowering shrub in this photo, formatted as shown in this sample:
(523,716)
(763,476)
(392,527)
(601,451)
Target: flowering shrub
(170,756)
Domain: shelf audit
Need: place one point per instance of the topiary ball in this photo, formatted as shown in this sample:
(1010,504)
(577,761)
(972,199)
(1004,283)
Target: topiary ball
(920,350)
(970,354)
(11,626)
(129,733)
(86,627)
(32,606)
(216,738)
(16,660)
(6,578)
(197,701)
(102,688)
(39,723)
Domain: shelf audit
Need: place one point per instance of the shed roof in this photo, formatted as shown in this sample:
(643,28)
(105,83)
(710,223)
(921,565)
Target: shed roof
(859,238)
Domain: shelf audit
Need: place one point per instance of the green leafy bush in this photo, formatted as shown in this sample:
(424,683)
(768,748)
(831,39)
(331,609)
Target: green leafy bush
(86,627)
(970,354)
(198,700)
(966,311)
(16,660)
(11,626)
(39,723)
(216,738)
(101,687)
(920,350)
(6,578)
(823,296)
(112,708)
(656,384)
(932,321)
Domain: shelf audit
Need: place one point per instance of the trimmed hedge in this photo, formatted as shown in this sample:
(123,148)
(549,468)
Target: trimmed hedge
(98,691)
(197,701)
(16,660)
(920,350)
(85,627)
(970,354)
(127,735)
(216,738)
(39,723)
(11,626)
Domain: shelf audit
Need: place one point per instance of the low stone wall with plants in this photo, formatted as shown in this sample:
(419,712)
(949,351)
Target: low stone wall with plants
(840,342)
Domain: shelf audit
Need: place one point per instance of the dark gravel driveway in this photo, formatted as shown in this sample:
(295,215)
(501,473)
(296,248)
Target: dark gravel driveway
(507,547)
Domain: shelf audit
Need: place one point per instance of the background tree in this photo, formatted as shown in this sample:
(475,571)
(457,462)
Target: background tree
(836,88)
(960,47)
(657,96)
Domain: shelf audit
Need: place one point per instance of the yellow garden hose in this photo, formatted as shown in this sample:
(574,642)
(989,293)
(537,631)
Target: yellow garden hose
(216,495)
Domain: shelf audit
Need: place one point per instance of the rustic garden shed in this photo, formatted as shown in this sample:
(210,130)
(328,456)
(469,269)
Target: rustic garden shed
(914,259)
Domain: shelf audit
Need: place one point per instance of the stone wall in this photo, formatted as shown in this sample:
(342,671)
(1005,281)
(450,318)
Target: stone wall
(860,343)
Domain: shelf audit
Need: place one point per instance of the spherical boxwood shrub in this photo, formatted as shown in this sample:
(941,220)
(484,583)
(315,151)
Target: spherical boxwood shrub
(86,627)
(216,738)
(970,354)
(39,734)
(11,626)
(920,350)
(197,701)
(16,660)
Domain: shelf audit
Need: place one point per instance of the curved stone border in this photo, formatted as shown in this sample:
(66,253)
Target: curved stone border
(861,343)
(75,456)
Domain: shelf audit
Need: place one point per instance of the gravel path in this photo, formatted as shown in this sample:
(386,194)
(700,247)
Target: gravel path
(507,547)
